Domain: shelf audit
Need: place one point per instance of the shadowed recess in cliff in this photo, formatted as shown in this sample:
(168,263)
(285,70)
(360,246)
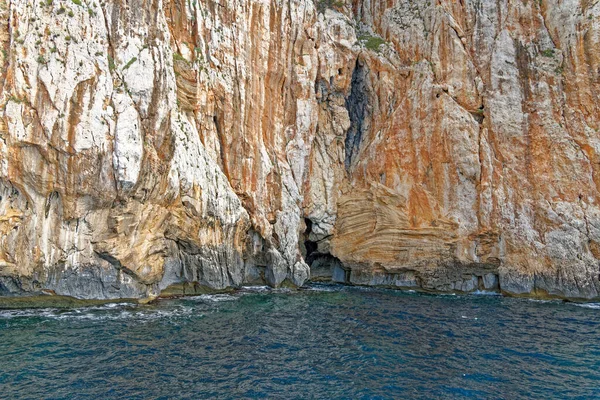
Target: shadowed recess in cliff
(359,111)
(323,265)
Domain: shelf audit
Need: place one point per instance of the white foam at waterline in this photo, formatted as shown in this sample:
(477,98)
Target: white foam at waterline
(282,290)
(40,312)
(322,289)
(595,306)
(485,293)
(213,297)
(542,301)
(59,312)
(101,313)
(256,288)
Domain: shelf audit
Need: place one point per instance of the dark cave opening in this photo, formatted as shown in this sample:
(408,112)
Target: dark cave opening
(323,265)
(311,247)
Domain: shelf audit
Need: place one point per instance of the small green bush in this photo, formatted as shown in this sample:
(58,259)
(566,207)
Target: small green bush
(371,42)
(548,53)
(178,57)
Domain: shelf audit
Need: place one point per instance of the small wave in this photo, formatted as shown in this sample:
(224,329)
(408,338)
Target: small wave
(322,289)
(101,313)
(7,314)
(281,290)
(485,293)
(113,305)
(214,297)
(595,306)
(441,294)
(259,289)
(542,301)
(364,288)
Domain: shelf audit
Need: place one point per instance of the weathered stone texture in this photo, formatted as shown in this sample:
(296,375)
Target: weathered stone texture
(441,145)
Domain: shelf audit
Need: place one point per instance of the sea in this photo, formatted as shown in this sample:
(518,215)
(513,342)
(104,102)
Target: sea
(319,342)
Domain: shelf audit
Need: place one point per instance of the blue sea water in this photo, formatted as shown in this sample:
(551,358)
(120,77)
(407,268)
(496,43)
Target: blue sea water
(326,342)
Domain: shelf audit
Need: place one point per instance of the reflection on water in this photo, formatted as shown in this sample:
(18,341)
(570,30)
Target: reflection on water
(322,342)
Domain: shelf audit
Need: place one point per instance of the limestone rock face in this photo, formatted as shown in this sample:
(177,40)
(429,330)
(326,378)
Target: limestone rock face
(447,146)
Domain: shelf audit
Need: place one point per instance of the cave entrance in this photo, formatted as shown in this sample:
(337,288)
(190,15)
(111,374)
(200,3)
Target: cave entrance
(324,267)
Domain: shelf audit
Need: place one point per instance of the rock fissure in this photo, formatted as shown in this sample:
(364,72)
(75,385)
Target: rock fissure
(357,104)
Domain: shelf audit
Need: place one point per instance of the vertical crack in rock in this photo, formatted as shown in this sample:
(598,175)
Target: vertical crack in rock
(359,111)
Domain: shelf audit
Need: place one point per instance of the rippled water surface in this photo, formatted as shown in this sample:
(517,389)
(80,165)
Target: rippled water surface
(324,342)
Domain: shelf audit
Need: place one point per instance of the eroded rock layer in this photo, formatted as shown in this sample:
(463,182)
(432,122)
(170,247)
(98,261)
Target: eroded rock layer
(179,145)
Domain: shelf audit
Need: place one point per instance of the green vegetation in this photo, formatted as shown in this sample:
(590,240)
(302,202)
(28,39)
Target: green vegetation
(15,99)
(111,63)
(323,5)
(178,57)
(78,2)
(134,59)
(61,10)
(548,53)
(371,42)
(41,59)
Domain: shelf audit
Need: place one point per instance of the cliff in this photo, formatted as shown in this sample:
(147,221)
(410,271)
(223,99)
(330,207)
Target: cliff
(180,145)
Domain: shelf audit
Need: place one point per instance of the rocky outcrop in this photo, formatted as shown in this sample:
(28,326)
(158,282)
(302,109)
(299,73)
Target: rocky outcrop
(163,145)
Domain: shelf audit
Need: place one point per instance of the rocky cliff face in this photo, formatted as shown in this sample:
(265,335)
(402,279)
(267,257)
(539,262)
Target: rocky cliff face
(175,145)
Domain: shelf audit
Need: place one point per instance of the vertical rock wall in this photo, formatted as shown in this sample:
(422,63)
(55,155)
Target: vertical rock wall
(439,145)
